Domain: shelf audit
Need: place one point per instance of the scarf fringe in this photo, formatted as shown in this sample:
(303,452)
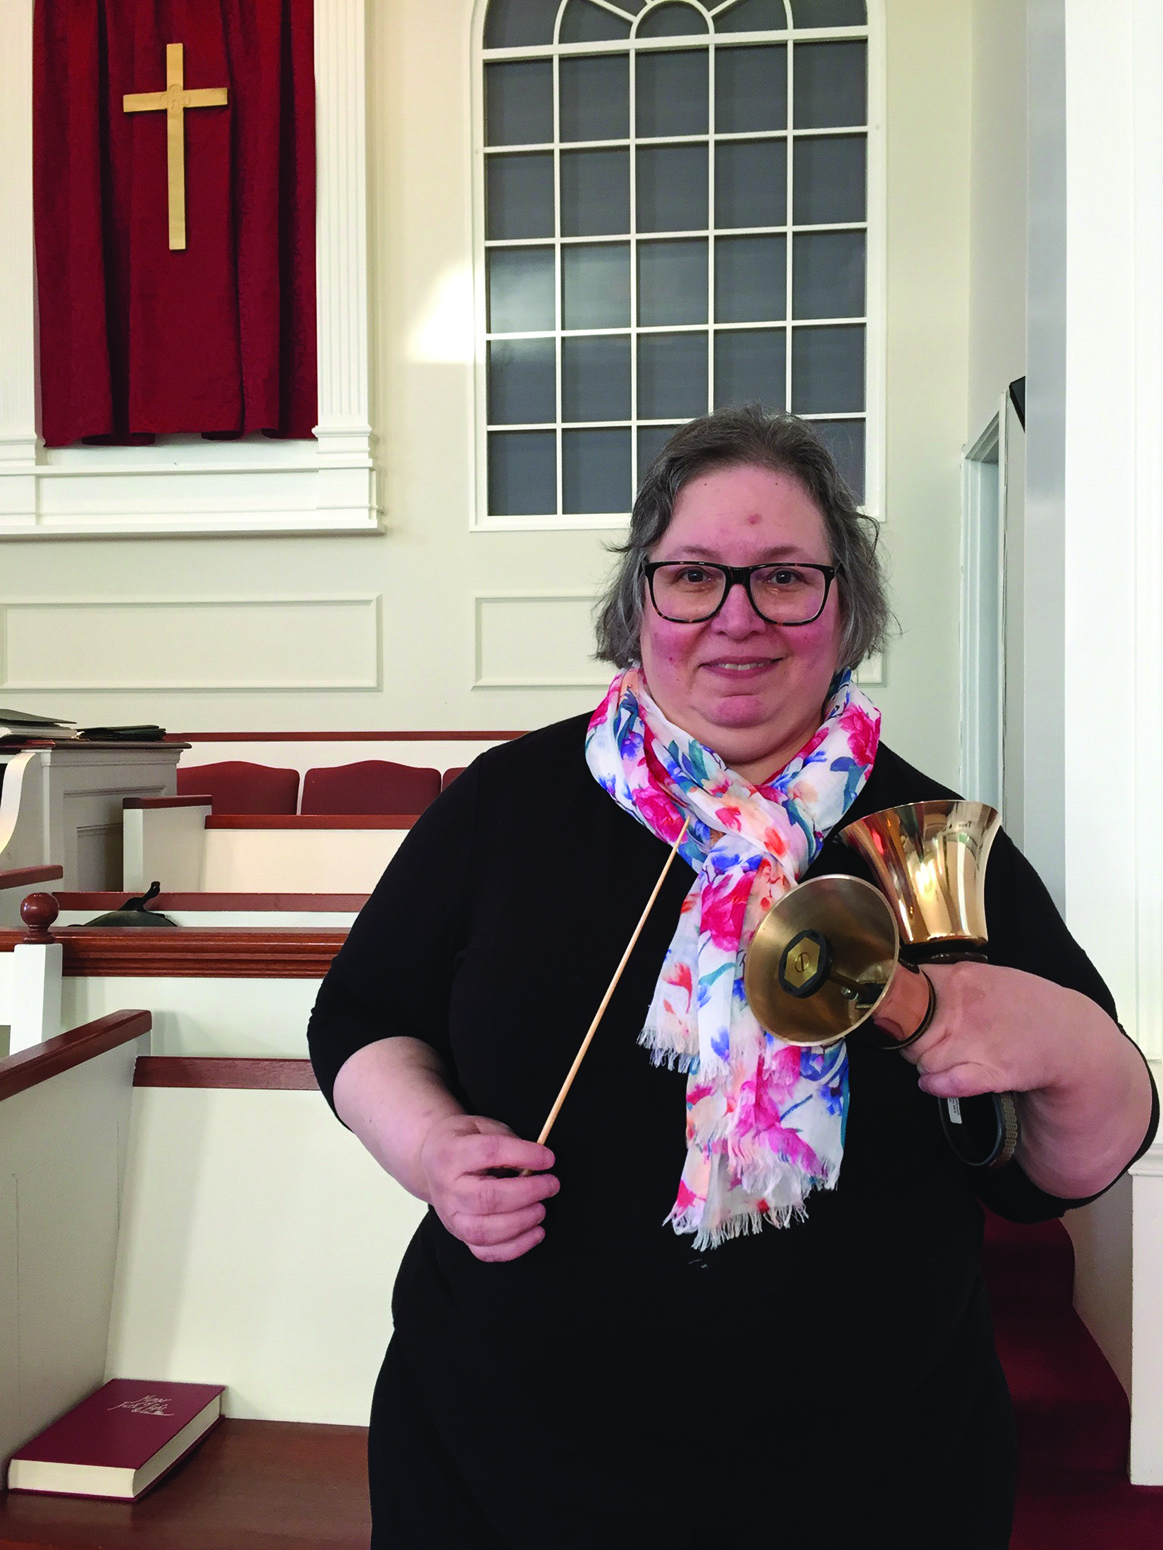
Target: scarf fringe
(667,1055)
(735,1226)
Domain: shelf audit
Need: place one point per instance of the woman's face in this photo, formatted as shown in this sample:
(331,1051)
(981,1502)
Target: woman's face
(750,690)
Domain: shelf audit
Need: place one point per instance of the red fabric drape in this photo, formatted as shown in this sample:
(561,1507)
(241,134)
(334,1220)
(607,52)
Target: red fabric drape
(136,339)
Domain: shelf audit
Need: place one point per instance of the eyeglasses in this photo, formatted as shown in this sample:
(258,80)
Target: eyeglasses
(693,591)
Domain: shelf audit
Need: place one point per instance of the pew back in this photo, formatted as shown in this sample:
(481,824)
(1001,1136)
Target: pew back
(62,1162)
(313,750)
(188,849)
(259,1244)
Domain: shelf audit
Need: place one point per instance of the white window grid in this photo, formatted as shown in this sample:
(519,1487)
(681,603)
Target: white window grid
(873,227)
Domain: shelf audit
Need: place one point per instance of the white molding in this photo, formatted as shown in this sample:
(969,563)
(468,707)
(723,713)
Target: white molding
(981,614)
(123,616)
(325,486)
(597,676)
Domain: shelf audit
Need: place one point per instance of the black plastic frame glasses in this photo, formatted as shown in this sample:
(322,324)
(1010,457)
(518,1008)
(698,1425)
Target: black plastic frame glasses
(740,575)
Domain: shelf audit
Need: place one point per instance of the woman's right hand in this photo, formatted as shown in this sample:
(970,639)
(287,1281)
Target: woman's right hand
(475,1181)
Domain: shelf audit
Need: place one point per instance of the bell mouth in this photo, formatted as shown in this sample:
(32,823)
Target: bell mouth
(928,859)
(821,960)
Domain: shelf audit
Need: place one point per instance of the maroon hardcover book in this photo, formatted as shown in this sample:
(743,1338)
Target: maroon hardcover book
(119,1441)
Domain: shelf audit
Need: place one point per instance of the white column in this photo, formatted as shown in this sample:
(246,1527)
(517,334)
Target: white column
(1112,582)
(1113,576)
(343,433)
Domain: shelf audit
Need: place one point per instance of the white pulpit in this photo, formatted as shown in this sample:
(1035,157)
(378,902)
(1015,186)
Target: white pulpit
(61,804)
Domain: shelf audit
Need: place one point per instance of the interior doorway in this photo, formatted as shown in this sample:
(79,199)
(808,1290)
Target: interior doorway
(992,648)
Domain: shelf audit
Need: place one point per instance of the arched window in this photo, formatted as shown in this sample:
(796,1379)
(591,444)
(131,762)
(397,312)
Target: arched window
(674,216)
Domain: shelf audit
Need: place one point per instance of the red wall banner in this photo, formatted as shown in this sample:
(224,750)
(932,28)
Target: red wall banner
(138,339)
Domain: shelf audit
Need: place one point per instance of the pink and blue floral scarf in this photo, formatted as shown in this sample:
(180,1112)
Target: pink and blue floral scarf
(765,1120)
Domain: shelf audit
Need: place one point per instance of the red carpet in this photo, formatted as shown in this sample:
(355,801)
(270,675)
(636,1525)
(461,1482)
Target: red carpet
(1072,1414)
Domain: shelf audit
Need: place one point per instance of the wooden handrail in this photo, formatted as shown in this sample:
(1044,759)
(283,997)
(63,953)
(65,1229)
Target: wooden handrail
(275,903)
(35,1065)
(341,737)
(311,821)
(151,802)
(238,1072)
(194,952)
(25,876)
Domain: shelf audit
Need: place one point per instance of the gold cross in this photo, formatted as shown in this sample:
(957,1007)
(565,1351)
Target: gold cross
(175,100)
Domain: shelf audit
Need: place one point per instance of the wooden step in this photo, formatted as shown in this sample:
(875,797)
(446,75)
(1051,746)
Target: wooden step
(251,1485)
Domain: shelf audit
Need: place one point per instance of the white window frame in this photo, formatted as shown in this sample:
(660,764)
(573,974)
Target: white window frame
(875,253)
(186,485)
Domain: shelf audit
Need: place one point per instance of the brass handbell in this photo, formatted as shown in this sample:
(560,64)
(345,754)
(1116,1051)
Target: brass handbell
(828,957)
(929,860)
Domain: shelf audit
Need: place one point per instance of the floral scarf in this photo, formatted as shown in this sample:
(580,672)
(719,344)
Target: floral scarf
(765,1120)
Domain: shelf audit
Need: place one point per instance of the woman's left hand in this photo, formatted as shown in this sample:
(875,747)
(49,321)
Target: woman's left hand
(1001,1030)
(1083,1088)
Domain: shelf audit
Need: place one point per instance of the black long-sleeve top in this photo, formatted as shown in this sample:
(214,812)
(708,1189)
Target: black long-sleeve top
(492,937)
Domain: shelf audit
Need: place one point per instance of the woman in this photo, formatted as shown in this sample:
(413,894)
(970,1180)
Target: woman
(805,1349)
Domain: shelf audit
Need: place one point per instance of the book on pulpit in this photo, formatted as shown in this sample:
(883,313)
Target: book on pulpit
(142,733)
(119,1441)
(23,725)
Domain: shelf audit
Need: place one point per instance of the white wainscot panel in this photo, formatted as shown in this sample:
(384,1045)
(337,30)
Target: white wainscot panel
(425,753)
(536,640)
(264,1018)
(254,643)
(269,1265)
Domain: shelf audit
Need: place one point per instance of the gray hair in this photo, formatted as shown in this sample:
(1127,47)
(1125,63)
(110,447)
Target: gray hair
(753,437)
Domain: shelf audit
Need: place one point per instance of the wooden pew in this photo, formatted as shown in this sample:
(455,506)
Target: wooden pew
(181,843)
(255,1268)
(259,911)
(64,1124)
(212,990)
(15,883)
(270,1485)
(307,750)
(252,1485)
(269,1267)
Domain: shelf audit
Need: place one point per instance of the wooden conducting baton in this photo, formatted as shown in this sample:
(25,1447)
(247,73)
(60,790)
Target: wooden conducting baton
(610,989)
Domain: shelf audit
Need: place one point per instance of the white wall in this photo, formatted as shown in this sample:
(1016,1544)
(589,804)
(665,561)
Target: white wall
(259,1245)
(405,651)
(1044,627)
(202,1017)
(1095,495)
(998,212)
(928,54)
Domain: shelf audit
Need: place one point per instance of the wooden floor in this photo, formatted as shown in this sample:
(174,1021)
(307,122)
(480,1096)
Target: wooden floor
(251,1485)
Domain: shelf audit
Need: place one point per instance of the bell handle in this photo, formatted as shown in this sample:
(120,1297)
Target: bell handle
(983,1131)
